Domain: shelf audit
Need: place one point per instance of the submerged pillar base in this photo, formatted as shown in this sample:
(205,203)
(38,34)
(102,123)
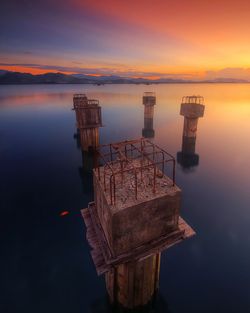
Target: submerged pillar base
(148,133)
(133,284)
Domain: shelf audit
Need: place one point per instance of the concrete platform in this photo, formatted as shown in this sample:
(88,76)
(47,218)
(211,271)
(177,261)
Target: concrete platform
(102,255)
(140,215)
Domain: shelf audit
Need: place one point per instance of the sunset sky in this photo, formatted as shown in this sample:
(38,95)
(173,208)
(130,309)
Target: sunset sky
(190,39)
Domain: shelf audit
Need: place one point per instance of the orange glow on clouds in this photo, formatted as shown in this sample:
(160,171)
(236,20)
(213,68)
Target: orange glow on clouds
(34,71)
(215,33)
(143,38)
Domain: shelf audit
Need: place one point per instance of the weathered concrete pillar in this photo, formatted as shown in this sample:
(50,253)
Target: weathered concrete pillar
(88,121)
(134,217)
(89,138)
(149,101)
(134,284)
(192,108)
(187,158)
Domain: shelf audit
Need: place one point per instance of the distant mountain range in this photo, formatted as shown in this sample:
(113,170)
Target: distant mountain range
(8,77)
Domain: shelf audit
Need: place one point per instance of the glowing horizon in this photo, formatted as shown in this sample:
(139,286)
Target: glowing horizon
(166,39)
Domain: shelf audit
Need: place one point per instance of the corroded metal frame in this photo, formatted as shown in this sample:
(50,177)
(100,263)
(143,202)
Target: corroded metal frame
(193,99)
(120,154)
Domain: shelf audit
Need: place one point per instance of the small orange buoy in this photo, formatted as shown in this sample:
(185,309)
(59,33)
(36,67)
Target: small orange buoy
(64,213)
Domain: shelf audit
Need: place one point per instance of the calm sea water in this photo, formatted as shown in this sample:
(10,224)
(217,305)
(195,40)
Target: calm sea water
(45,260)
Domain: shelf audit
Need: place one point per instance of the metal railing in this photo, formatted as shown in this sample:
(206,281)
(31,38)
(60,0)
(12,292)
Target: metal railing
(149,94)
(80,95)
(80,101)
(193,99)
(118,160)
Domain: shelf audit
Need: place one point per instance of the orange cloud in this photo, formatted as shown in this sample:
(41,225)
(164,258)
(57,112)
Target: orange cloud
(217,32)
(190,39)
(31,70)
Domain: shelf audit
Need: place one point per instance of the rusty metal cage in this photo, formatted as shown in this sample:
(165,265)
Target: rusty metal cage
(193,99)
(149,94)
(88,112)
(149,98)
(137,159)
(80,101)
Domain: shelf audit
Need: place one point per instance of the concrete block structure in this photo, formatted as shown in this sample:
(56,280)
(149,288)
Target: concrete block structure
(134,217)
(192,108)
(149,101)
(88,120)
(132,194)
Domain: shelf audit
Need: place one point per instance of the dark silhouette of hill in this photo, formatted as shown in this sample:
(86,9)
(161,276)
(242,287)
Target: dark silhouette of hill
(8,77)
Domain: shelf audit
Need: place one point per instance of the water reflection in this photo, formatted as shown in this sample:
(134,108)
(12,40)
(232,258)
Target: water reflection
(40,178)
(85,171)
(149,101)
(187,157)
(192,109)
(158,305)
(88,120)
(77,138)
(89,161)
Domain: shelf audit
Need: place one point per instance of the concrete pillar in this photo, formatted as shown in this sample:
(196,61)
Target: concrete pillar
(187,158)
(192,109)
(88,121)
(134,284)
(132,220)
(89,138)
(135,216)
(149,101)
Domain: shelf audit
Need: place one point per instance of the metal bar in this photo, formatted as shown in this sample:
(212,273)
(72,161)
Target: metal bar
(142,159)
(121,163)
(173,172)
(159,148)
(142,146)
(111,152)
(110,187)
(114,187)
(163,163)
(154,179)
(104,177)
(135,185)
